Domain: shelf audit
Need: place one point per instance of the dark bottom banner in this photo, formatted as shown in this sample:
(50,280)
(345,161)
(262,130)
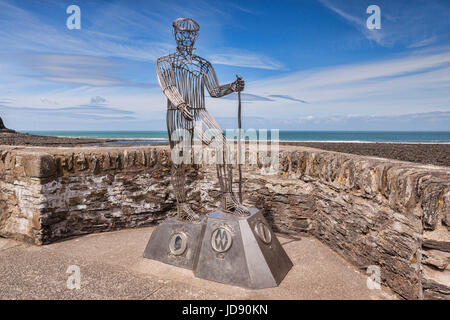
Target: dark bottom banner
(211,309)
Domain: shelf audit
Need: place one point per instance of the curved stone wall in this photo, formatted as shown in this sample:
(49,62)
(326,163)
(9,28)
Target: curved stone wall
(374,212)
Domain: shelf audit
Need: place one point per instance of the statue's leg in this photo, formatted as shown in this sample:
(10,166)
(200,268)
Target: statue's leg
(184,211)
(224,168)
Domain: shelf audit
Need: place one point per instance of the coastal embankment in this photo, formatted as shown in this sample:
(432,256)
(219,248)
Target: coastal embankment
(424,153)
(375,212)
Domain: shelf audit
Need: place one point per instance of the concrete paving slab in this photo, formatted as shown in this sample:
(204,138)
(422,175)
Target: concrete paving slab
(112,267)
(39,273)
(174,290)
(8,243)
(124,247)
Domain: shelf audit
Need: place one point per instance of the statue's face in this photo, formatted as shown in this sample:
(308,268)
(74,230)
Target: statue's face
(185,39)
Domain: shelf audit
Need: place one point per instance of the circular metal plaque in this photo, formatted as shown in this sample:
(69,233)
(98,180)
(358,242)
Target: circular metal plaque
(263,232)
(178,243)
(221,239)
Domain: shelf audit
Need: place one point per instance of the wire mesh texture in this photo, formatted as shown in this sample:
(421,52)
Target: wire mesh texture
(183,77)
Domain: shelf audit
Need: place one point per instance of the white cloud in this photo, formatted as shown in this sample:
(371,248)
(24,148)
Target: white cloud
(32,33)
(418,82)
(94,60)
(112,34)
(429,121)
(246,59)
(48,102)
(98,100)
(76,69)
(401,23)
(357,20)
(423,43)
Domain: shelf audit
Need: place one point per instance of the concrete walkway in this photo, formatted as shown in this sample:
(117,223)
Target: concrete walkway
(112,267)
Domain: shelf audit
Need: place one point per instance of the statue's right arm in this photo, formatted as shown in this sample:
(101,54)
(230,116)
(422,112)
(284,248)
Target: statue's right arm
(166,81)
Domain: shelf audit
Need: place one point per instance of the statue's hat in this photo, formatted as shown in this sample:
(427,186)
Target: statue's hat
(186,24)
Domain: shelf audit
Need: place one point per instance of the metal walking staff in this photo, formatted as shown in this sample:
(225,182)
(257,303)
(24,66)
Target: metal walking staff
(239,142)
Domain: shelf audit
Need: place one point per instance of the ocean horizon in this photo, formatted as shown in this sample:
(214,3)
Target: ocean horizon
(284,135)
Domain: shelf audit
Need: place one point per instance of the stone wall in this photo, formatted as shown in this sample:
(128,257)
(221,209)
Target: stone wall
(381,212)
(372,211)
(64,192)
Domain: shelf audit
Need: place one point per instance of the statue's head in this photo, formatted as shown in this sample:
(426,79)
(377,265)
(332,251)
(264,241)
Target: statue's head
(185,31)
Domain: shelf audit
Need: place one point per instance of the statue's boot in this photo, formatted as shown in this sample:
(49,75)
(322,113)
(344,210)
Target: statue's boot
(233,206)
(185,213)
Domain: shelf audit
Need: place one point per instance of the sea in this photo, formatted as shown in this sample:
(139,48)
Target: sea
(284,135)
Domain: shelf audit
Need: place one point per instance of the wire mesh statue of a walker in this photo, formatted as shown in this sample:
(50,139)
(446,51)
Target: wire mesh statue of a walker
(183,77)
(235,244)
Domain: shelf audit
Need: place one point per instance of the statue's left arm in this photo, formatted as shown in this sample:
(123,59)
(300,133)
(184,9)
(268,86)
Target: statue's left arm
(214,88)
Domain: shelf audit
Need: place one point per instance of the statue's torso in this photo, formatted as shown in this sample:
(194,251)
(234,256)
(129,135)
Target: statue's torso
(189,79)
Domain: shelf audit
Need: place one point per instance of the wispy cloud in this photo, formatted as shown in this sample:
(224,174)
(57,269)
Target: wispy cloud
(247,97)
(48,102)
(287,97)
(250,97)
(356,20)
(424,42)
(98,100)
(4,101)
(115,32)
(55,72)
(77,69)
(246,59)
(418,81)
(31,33)
(404,24)
(432,121)
(91,112)
(42,61)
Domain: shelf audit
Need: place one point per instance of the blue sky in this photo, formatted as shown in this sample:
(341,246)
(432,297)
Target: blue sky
(308,65)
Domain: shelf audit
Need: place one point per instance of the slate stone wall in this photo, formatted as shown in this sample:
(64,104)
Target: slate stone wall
(374,212)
